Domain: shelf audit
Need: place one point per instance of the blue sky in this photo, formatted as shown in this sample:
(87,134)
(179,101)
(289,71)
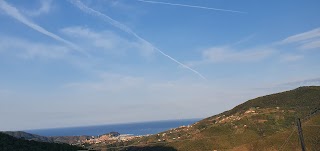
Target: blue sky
(75,63)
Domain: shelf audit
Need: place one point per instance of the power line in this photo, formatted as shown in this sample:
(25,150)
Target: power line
(287,140)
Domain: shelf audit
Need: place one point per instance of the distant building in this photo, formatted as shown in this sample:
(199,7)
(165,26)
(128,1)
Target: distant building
(114,134)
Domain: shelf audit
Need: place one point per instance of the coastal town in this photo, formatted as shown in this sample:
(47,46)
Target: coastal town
(105,139)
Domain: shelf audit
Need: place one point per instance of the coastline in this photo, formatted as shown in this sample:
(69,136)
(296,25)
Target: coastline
(136,129)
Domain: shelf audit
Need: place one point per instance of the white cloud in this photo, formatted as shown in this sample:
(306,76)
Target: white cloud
(311,45)
(129,31)
(119,4)
(45,7)
(143,89)
(15,13)
(291,83)
(306,40)
(176,97)
(291,57)
(315,33)
(229,54)
(305,82)
(28,50)
(108,82)
(106,41)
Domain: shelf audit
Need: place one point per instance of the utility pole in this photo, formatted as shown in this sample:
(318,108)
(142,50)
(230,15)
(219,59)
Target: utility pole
(303,147)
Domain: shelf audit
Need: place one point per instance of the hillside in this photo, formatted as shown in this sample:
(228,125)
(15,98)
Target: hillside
(28,136)
(10,143)
(263,123)
(82,140)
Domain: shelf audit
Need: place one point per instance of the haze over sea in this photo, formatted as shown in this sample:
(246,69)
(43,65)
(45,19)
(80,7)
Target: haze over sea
(141,128)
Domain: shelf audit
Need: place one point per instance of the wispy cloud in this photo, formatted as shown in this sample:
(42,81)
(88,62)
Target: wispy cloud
(109,82)
(45,7)
(182,93)
(221,54)
(105,41)
(229,54)
(291,57)
(305,82)
(126,29)
(311,45)
(29,50)
(190,6)
(14,13)
(315,33)
(290,84)
(306,40)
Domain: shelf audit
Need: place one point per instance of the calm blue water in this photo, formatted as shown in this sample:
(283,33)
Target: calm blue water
(142,128)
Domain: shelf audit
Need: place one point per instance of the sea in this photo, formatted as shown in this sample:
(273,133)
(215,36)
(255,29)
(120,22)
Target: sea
(139,128)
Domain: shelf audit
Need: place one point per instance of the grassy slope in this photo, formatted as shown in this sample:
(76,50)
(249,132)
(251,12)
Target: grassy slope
(269,119)
(277,141)
(304,99)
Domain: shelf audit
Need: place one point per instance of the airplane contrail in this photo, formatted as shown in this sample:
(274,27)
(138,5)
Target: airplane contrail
(14,13)
(191,6)
(126,29)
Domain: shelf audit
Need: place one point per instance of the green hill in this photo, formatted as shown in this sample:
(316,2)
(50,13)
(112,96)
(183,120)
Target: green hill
(10,143)
(302,99)
(263,123)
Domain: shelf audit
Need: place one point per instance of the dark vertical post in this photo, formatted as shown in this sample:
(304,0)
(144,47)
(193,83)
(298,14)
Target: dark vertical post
(303,147)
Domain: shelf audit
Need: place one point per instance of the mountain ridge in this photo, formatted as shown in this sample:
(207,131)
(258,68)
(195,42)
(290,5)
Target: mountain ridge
(239,128)
(10,143)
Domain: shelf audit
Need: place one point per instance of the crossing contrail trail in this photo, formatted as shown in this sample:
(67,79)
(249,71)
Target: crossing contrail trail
(126,29)
(191,6)
(14,13)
